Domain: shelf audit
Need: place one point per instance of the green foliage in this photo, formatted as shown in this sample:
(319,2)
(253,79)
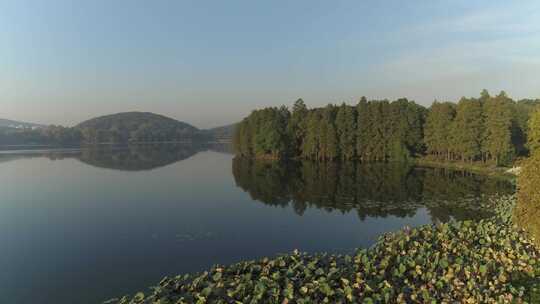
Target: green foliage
(328,144)
(463,262)
(534,130)
(222,134)
(346,124)
(312,141)
(61,135)
(438,129)
(499,122)
(136,127)
(527,210)
(488,129)
(363,129)
(264,134)
(523,111)
(375,130)
(51,135)
(297,127)
(121,128)
(467,130)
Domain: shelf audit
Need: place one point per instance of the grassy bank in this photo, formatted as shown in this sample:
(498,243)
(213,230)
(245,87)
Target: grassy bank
(486,169)
(467,262)
(475,167)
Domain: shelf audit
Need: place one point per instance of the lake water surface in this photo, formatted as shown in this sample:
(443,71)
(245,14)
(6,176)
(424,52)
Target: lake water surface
(85,226)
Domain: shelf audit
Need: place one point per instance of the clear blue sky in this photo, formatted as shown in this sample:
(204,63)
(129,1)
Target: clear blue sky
(211,62)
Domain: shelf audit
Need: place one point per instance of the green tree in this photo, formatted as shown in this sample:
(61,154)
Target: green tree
(527,210)
(377,131)
(346,131)
(328,136)
(484,95)
(311,144)
(533,133)
(241,139)
(498,124)
(270,137)
(523,110)
(467,129)
(407,121)
(363,125)
(438,131)
(485,128)
(297,127)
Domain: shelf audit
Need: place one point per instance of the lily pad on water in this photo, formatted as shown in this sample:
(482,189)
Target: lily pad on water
(489,261)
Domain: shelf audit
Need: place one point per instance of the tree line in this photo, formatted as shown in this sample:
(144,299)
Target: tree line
(488,129)
(51,135)
(121,128)
(62,136)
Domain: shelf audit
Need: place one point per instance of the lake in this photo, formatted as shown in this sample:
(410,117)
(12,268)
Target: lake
(82,226)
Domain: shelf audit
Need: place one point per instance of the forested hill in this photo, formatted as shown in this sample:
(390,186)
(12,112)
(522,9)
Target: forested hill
(121,128)
(18,124)
(222,134)
(136,127)
(488,128)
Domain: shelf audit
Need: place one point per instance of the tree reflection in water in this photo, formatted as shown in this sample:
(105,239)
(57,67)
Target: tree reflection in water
(371,189)
(133,157)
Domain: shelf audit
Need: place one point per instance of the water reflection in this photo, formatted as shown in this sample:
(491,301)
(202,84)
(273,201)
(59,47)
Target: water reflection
(370,190)
(187,215)
(137,157)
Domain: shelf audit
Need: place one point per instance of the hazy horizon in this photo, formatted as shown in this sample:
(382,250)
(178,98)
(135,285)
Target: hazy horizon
(210,64)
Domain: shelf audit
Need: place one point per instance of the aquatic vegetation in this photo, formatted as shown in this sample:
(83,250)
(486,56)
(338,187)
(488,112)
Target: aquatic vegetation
(489,261)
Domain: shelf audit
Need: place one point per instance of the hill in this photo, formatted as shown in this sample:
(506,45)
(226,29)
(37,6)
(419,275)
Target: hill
(120,128)
(136,127)
(223,133)
(6,123)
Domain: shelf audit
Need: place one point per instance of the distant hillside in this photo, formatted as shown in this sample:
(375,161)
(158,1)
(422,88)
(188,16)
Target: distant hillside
(120,128)
(137,127)
(19,124)
(224,133)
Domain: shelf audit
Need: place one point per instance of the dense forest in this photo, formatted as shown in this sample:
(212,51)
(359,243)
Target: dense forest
(489,129)
(51,135)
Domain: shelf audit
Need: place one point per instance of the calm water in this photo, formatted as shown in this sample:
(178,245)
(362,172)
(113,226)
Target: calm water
(85,226)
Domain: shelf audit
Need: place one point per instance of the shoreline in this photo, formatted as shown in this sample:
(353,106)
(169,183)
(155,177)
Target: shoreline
(477,168)
(410,265)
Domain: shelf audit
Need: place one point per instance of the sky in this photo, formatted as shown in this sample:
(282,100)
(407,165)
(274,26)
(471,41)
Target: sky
(210,63)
